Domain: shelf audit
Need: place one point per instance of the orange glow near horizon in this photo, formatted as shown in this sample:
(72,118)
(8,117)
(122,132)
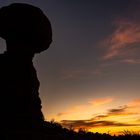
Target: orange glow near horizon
(113,120)
(115,130)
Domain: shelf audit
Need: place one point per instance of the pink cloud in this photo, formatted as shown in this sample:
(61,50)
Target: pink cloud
(131,61)
(123,39)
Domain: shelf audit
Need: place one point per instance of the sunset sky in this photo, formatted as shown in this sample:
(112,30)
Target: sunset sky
(90,75)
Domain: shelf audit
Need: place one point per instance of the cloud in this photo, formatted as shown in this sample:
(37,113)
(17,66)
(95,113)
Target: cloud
(121,116)
(135,103)
(99,117)
(122,42)
(88,124)
(61,114)
(126,111)
(131,61)
(120,110)
(101,101)
(88,106)
(80,73)
(75,109)
(103,120)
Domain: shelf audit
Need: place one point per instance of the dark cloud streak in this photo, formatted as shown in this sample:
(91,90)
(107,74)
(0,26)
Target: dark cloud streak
(92,124)
(99,120)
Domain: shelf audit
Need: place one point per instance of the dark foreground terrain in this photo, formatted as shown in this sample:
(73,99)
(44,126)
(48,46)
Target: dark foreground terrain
(54,131)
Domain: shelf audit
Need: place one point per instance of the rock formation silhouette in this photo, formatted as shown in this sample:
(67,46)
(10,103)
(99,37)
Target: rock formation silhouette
(27,31)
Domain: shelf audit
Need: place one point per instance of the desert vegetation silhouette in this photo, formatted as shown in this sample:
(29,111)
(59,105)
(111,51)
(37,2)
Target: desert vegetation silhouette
(27,31)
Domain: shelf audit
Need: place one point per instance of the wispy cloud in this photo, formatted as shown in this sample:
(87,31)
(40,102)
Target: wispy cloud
(88,124)
(106,120)
(115,112)
(62,113)
(75,109)
(123,40)
(131,61)
(88,106)
(119,110)
(101,101)
(80,73)
(134,103)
